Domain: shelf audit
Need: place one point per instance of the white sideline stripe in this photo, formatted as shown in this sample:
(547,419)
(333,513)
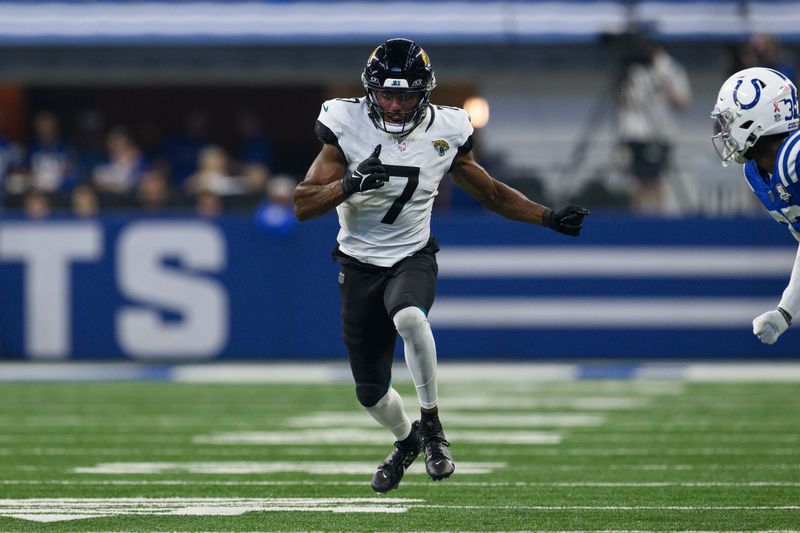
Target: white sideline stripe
(649,379)
(349,436)
(55,509)
(572,313)
(266,467)
(263,373)
(771,372)
(454,420)
(615,261)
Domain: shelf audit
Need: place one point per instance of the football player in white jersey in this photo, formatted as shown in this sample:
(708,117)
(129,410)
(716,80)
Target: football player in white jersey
(756,124)
(381,162)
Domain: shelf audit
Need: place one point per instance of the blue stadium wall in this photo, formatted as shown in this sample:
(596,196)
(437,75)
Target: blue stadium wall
(179,288)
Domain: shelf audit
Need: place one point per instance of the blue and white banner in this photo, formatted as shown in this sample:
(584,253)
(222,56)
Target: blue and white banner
(188,289)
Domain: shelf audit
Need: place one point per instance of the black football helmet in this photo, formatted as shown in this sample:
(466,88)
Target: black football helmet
(398,66)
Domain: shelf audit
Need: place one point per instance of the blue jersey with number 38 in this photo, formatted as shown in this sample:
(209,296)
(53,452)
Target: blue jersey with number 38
(779,190)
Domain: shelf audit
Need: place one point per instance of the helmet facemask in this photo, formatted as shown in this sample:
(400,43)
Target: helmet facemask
(730,139)
(406,117)
(398,72)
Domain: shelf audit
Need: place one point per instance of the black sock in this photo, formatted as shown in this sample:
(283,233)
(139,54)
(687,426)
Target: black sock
(410,441)
(429,418)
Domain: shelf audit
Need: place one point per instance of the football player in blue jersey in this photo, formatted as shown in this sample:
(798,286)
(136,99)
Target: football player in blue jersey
(756,125)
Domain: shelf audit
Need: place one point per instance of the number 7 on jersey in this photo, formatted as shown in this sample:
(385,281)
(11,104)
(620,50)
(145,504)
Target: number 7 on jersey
(399,171)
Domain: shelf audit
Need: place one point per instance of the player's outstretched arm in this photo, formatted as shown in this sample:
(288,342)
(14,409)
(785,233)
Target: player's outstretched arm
(511,203)
(771,325)
(321,190)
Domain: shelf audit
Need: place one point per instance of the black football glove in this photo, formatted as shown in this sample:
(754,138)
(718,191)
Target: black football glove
(568,220)
(369,175)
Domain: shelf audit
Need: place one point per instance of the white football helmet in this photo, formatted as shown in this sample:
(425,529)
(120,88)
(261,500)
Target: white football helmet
(752,103)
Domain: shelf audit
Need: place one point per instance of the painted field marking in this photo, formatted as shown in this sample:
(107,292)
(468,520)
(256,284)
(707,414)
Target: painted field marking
(450,482)
(348,436)
(454,419)
(618,507)
(589,403)
(266,467)
(61,509)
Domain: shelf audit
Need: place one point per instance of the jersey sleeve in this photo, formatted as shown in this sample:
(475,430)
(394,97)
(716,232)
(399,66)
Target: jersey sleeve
(788,165)
(328,127)
(463,138)
(465,135)
(747,170)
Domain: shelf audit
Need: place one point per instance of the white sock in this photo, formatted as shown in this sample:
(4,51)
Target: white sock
(389,413)
(420,352)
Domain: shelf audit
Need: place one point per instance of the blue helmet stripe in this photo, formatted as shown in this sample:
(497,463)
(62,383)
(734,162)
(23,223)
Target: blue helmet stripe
(779,74)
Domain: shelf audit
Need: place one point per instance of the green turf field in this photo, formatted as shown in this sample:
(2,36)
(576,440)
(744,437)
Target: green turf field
(554,456)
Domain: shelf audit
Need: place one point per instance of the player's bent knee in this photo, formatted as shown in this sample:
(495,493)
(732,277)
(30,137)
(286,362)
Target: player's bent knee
(369,394)
(409,320)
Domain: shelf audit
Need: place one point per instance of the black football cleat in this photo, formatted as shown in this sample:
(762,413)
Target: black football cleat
(391,471)
(438,460)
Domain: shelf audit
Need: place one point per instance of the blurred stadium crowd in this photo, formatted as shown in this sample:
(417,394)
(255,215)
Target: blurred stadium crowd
(103,167)
(249,139)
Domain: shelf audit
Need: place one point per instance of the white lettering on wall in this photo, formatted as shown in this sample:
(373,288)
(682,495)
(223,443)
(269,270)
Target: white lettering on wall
(200,302)
(47,250)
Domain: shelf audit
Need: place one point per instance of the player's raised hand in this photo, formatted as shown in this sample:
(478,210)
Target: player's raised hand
(369,175)
(771,325)
(568,220)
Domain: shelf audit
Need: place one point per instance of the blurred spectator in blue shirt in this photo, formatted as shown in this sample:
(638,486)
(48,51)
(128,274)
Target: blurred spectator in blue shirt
(89,141)
(124,167)
(11,158)
(275,216)
(51,161)
(182,150)
(255,157)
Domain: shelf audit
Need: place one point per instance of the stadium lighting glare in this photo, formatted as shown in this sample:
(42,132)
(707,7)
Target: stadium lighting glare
(478,109)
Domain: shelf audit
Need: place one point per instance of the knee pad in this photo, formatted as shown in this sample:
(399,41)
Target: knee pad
(409,320)
(369,394)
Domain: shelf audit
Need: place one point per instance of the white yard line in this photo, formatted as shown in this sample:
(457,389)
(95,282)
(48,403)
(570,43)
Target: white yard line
(453,482)
(647,378)
(266,467)
(338,436)
(454,419)
(63,509)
